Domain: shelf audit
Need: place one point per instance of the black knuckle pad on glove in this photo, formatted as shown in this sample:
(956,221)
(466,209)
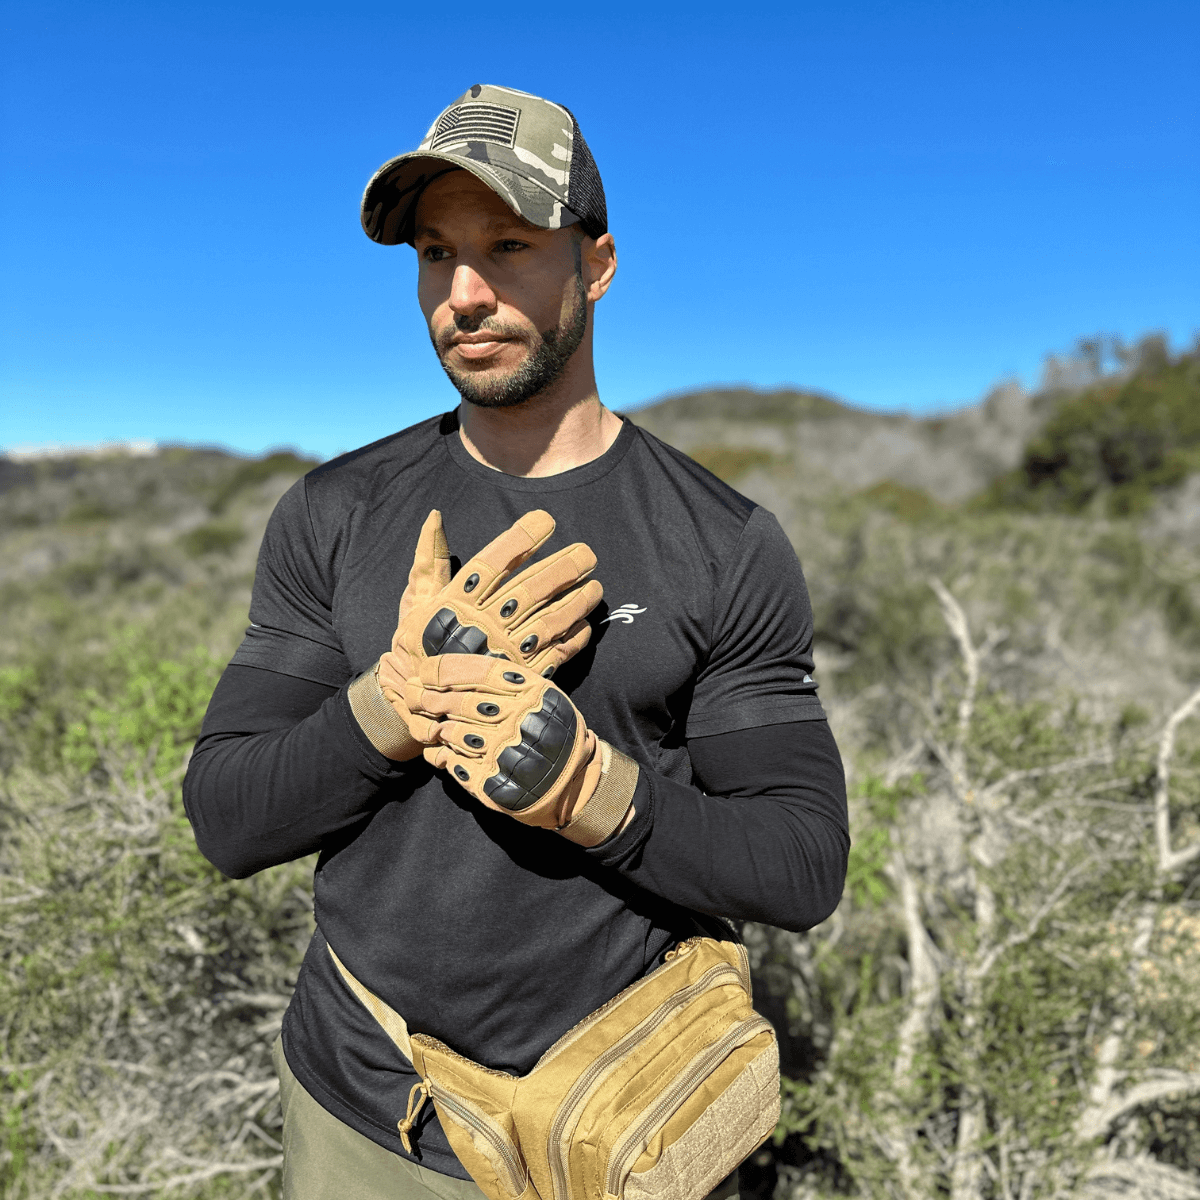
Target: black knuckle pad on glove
(445,634)
(528,770)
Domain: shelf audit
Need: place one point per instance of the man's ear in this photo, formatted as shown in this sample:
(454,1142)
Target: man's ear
(599,264)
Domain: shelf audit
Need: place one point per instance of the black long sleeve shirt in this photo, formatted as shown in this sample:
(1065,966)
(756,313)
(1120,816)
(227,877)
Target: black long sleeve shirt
(492,936)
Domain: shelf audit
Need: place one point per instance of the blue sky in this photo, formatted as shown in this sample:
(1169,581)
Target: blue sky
(898,204)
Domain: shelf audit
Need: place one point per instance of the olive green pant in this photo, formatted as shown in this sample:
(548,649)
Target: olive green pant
(324,1159)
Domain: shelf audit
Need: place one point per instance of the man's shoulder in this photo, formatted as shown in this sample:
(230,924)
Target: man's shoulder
(674,479)
(344,480)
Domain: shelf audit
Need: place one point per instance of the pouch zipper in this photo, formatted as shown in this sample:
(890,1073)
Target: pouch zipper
(633,1144)
(585,1082)
(487,1129)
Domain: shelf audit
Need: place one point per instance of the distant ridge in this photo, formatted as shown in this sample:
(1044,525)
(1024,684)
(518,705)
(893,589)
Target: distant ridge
(834,445)
(135,448)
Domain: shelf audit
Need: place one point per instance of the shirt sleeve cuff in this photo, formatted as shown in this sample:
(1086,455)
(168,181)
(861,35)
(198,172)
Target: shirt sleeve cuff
(373,765)
(622,847)
(755,715)
(385,728)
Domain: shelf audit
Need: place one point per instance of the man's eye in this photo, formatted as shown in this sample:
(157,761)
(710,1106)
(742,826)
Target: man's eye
(436,253)
(509,245)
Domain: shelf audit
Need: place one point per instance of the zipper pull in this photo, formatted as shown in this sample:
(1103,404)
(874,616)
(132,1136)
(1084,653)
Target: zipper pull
(684,947)
(410,1117)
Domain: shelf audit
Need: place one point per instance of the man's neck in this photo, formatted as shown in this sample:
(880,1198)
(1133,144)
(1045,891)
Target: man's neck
(545,435)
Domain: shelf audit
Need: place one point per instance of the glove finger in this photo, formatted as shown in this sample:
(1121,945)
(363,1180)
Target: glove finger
(467,772)
(500,557)
(468,741)
(474,707)
(557,653)
(394,672)
(473,671)
(421,727)
(541,583)
(431,565)
(555,622)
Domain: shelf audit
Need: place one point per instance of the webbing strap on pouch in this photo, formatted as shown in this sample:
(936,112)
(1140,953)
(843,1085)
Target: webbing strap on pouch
(393,1023)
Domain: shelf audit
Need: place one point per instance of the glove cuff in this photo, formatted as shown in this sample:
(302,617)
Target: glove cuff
(385,728)
(606,809)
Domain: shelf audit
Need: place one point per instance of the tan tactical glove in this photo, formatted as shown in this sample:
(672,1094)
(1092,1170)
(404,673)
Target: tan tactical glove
(518,745)
(538,620)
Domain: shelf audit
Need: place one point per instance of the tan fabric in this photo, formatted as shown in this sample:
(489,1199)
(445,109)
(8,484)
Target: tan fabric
(324,1159)
(502,727)
(658,1094)
(600,815)
(385,728)
(732,1127)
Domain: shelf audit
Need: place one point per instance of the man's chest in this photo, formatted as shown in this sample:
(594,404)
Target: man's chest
(649,635)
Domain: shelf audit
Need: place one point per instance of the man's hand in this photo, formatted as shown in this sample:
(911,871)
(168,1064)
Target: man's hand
(518,745)
(538,620)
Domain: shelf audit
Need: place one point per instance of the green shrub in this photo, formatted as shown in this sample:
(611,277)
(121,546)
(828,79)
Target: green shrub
(140,987)
(1120,440)
(153,704)
(731,462)
(256,471)
(907,503)
(215,537)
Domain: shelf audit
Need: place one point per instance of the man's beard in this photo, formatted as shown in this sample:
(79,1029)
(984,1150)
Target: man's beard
(543,366)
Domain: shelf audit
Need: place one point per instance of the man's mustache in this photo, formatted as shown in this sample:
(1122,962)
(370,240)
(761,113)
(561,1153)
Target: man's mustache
(465,324)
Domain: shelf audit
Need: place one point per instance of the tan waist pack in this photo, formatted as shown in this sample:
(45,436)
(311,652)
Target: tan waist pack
(657,1095)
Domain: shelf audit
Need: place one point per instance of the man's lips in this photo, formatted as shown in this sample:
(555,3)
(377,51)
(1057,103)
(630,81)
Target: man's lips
(478,345)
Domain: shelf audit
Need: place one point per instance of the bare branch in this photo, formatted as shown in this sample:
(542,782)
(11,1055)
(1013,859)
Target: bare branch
(1096,1122)
(1169,860)
(1017,939)
(1070,764)
(923,971)
(1100,1098)
(209,1172)
(956,620)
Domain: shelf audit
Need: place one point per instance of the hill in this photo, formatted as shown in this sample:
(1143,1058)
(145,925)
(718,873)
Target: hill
(827,445)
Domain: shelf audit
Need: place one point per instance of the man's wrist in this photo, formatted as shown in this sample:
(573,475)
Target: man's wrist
(609,809)
(383,726)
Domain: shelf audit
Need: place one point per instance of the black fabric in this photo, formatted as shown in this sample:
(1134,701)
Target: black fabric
(493,936)
(585,193)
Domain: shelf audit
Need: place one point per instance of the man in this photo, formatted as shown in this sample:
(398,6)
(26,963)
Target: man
(703,778)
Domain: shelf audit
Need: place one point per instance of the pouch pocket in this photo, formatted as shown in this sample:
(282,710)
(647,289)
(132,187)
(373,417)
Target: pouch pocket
(487,1138)
(717,1125)
(563,1131)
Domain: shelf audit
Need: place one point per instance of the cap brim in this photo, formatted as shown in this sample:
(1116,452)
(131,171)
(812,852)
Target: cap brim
(390,199)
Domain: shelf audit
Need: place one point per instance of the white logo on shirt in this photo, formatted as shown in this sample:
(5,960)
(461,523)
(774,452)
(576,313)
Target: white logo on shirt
(625,613)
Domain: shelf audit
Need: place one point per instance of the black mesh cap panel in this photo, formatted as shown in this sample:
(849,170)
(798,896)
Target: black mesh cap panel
(585,195)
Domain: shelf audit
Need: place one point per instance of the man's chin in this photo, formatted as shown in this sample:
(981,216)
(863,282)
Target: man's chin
(488,387)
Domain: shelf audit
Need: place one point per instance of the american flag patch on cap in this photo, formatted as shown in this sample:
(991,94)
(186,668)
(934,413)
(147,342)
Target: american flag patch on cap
(476,123)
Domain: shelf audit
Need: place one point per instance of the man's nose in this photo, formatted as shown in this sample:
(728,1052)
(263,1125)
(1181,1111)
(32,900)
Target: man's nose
(469,291)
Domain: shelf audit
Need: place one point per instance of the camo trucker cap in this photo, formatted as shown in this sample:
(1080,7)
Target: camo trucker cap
(526,149)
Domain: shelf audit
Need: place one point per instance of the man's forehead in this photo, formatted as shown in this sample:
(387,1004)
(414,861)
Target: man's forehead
(439,208)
